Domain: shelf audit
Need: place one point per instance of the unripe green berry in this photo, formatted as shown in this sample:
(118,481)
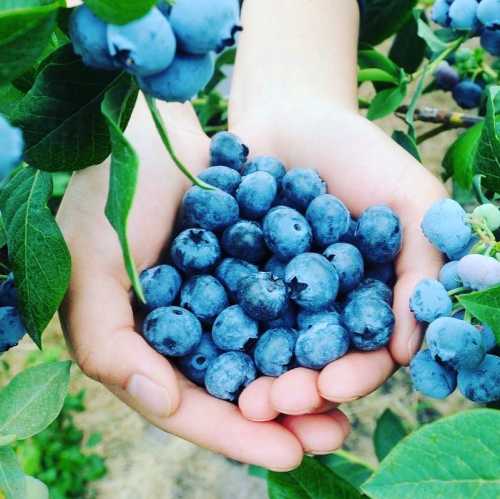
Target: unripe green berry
(490,213)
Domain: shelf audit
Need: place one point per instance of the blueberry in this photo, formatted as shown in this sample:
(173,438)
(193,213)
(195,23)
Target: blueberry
(205,25)
(328,218)
(230,272)
(11,328)
(229,374)
(348,263)
(312,280)
(448,276)
(440,12)
(11,145)
(479,271)
(350,235)
(143,47)
(164,7)
(455,342)
(233,329)
(306,319)
(300,186)
(379,234)
(449,237)
(490,40)
(372,288)
(89,37)
(384,272)
(209,209)
(481,384)
(256,194)
(286,232)
(8,293)
(321,344)
(431,377)
(268,164)
(370,322)
(195,364)
(273,353)
(467,94)
(181,80)
(489,338)
(262,296)
(205,296)
(224,178)
(195,250)
(488,12)
(430,300)
(245,240)
(161,285)
(172,331)
(287,318)
(276,267)
(463,14)
(446,76)
(226,149)
(468,248)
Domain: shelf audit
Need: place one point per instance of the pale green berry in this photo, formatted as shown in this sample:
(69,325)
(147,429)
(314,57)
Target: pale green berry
(490,213)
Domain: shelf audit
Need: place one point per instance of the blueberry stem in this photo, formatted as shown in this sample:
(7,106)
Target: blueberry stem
(456,291)
(162,130)
(467,316)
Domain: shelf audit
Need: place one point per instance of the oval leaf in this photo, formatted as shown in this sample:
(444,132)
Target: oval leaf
(120,11)
(386,102)
(33,399)
(453,457)
(388,432)
(348,466)
(12,480)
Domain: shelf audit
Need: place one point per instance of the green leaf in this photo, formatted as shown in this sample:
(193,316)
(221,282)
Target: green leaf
(459,158)
(348,466)
(9,97)
(25,29)
(383,18)
(40,259)
(61,115)
(3,233)
(388,432)
(35,489)
(487,159)
(312,480)
(454,457)
(407,143)
(386,102)
(371,58)
(33,399)
(408,49)
(257,471)
(376,74)
(120,11)
(12,480)
(432,41)
(484,306)
(124,170)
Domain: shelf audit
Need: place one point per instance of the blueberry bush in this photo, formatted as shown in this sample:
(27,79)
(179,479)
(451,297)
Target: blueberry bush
(69,79)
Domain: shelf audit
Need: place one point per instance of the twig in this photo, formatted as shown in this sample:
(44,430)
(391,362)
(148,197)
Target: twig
(440,116)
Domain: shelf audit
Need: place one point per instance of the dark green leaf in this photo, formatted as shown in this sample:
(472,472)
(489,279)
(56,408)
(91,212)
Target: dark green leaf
(12,480)
(383,18)
(124,170)
(312,480)
(408,49)
(61,116)
(3,233)
(386,102)
(120,11)
(459,158)
(487,159)
(485,306)
(25,29)
(388,432)
(348,466)
(371,58)
(376,74)
(37,251)
(407,143)
(9,97)
(257,471)
(33,399)
(455,457)
(432,41)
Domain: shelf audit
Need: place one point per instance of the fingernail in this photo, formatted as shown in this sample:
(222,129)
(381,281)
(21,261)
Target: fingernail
(153,398)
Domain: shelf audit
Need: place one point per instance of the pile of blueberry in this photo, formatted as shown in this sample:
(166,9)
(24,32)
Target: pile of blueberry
(169,50)
(478,17)
(268,272)
(459,350)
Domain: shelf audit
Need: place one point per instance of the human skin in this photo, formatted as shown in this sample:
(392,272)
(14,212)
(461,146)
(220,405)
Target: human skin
(294,96)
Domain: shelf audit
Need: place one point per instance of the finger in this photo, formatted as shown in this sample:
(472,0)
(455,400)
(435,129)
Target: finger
(321,433)
(255,401)
(355,375)
(220,427)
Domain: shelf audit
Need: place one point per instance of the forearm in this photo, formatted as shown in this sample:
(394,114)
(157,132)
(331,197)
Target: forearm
(293,51)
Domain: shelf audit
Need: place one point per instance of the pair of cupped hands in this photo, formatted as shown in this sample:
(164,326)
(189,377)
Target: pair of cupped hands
(277,420)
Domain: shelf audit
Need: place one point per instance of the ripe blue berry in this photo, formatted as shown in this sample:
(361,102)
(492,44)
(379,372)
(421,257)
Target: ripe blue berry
(245,240)
(231,271)
(489,338)
(307,318)
(490,40)
(384,272)
(348,263)
(430,300)
(256,194)
(194,365)
(8,293)
(273,353)
(276,267)
(11,328)
(233,329)
(224,178)
(268,164)
(446,76)
(479,271)
(463,14)
(467,94)
(11,147)
(440,12)
(372,288)
(448,276)
(161,285)
(172,331)
(350,235)
(488,12)
(300,186)
(481,384)
(287,318)
(226,149)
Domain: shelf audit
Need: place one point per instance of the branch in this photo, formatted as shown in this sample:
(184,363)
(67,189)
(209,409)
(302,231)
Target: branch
(447,118)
